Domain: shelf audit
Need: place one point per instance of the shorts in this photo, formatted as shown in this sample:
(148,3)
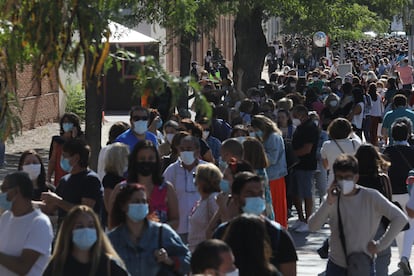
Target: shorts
(303,182)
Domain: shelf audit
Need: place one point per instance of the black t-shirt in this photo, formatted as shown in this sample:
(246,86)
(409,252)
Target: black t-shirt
(306,133)
(283,247)
(73,187)
(110,180)
(402,161)
(74,267)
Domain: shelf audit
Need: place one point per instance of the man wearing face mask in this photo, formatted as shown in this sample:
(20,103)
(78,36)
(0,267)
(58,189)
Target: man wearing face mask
(247,192)
(304,143)
(170,129)
(181,174)
(80,186)
(359,230)
(139,128)
(25,233)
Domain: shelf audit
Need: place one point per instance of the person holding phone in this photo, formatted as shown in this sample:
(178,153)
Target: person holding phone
(359,230)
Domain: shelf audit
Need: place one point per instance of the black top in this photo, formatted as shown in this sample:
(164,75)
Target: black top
(306,133)
(73,187)
(402,161)
(110,180)
(74,267)
(283,247)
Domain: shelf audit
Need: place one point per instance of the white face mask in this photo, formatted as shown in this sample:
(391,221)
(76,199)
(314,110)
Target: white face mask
(206,133)
(169,137)
(346,186)
(33,170)
(187,157)
(140,127)
(333,103)
(296,122)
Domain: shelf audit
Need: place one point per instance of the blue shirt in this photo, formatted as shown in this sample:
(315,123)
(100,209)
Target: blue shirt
(128,137)
(393,115)
(139,257)
(214,145)
(275,152)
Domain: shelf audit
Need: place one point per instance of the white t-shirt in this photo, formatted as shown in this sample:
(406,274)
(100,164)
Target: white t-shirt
(377,107)
(331,151)
(357,118)
(32,231)
(101,162)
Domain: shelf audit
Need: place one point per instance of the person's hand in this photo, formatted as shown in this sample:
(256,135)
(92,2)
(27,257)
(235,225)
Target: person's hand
(161,256)
(372,247)
(50,198)
(331,196)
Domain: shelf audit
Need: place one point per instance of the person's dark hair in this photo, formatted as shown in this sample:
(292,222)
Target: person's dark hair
(171,123)
(118,216)
(240,180)
(399,100)
(237,128)
(392,84)
(116,129)
(153,113)
(175,143)
(399,131)
(133,175)
(370,162)
(74,119)
(339,128)
(41,179)
(372,91)
(22,180)
(345,163)
(252,256)
(347,88)
(358,94)
(233,146)
(207,255)
(287,113)
(194,128)
(138,108)
(221,112)
(240,166)
(78,146)
(300,110)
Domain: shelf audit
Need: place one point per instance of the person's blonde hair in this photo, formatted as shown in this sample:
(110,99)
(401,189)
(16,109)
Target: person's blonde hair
(266,125)
(211,175)
(116,158)
(254,153)
(64,245)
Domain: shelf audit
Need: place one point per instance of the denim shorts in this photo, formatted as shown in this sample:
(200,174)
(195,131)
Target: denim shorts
(303,180)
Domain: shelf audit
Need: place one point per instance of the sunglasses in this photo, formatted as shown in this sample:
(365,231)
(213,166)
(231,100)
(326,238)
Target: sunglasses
(139,118)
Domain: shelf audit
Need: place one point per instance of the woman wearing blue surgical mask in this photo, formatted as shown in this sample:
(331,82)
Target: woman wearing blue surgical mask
(31,163)
(268,133)
(69,129)
(82,248)
(155,124)
(147,247)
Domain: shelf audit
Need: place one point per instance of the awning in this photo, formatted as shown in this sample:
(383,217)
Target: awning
(122,35)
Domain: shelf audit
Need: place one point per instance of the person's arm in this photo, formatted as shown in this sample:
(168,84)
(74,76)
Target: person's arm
(325,163)
(107,196)
(22,264)
(288,269)
(51,163)
(275,148)
(208,156)
(305,149)
(318,218)
(172,203)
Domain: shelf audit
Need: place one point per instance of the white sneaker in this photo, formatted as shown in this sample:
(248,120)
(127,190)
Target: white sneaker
(297,224)
(304,228)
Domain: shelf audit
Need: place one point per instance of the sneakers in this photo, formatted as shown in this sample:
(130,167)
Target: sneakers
(304,228)
(404,265)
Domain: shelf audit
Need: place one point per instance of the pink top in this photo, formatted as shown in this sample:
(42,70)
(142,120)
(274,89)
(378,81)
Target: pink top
(158,202)
(406,74)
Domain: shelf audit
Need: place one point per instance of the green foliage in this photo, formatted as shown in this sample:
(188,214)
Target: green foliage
(75,100)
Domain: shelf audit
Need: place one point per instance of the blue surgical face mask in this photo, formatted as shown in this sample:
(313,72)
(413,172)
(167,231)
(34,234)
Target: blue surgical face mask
(137,211)
(159,124)
(254,205)
(225,186)
(65,165)
(84,238)
(252,134)
(259,134)
(222,164)
(4,203)
(140,127)
(67,127)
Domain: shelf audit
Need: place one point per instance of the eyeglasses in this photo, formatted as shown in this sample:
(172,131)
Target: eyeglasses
(139,118)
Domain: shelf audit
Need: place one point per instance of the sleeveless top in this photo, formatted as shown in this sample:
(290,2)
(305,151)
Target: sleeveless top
(157,202)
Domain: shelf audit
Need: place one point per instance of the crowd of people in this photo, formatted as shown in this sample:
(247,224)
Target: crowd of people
(175,194)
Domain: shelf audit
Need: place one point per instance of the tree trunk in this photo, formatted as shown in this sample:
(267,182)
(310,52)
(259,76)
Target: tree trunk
(251,48)
(93,120)
(185,61)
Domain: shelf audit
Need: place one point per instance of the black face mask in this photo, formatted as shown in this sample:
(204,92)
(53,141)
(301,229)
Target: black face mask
(146,168)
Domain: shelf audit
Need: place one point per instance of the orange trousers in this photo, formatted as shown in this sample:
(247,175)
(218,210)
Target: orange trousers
(278,191)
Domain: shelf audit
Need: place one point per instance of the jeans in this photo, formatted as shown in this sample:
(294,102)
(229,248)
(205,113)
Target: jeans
(333,269)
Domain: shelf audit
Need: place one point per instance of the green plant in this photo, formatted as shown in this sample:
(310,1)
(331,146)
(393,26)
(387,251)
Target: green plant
(75,100)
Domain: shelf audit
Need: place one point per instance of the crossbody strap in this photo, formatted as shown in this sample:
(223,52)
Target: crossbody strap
(341,228)
(405,159)
(338,146)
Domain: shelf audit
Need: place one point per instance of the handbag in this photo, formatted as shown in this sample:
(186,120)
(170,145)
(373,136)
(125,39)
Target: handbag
(358,263)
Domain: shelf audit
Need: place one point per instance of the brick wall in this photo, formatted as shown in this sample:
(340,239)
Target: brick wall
(39,99)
